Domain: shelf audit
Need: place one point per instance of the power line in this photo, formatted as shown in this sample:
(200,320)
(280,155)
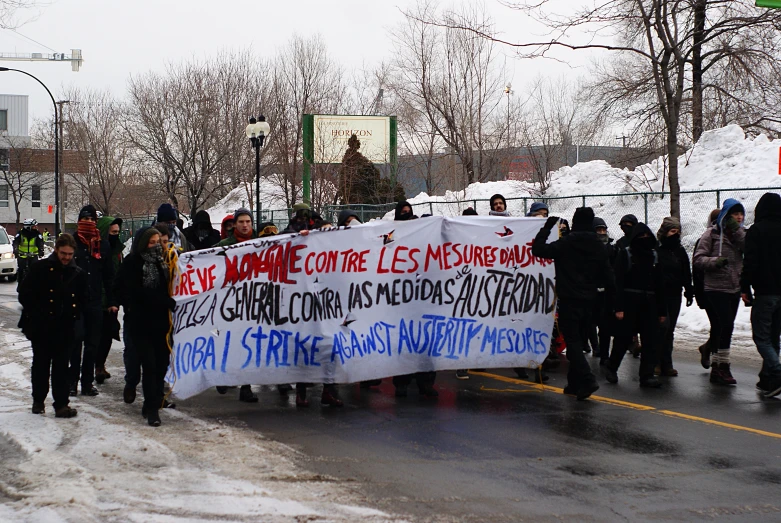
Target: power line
(30,39)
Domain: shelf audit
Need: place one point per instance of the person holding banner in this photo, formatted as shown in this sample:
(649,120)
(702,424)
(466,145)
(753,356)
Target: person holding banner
(582,267)
(145,296)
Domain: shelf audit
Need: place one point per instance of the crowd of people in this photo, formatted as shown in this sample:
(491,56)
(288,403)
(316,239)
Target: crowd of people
(629,291)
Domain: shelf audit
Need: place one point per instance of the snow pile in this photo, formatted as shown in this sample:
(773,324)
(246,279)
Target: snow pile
(107,464)
(272,196)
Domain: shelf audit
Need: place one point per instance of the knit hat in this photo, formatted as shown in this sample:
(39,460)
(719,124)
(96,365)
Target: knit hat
(497,197)
(301,206)
(667,224)
(629,218)
(536,207)
(242,210)
(599,222)
(88,211)
(469,211)
(583,219)
(166,213)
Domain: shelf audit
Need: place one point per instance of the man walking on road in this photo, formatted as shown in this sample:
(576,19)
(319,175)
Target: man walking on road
(761,264)
(582,267)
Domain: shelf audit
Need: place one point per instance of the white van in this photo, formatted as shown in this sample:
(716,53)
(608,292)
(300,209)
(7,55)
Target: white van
(7,258)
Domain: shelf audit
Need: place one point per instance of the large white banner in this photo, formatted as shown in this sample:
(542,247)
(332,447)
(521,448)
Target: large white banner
(352,304)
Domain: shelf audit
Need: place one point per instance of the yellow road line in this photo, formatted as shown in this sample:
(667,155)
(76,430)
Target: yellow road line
(625,404)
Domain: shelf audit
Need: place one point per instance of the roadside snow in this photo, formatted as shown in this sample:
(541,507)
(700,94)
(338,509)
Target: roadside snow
(107,464)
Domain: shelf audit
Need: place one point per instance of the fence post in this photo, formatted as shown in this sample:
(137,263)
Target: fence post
(431,208)
(584,200)
(718,199)
(525,208)
(645,200)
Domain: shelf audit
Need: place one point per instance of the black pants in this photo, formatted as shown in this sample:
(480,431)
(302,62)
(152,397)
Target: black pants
(603,324)
(640,316)
(22,266)
(87,331)
(722,308)
(575,322)
(106,338)
(673,301)
(132,363)
(155,357)
(50,355)
(423,379)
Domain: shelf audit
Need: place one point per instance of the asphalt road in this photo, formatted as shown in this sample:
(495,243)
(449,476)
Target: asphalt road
(494,448)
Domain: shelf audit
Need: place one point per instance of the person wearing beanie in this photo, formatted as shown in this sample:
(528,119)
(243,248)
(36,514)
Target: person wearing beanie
(226,227)
(677,277)
(348,218)
(469,211)
(762,260)
(170,217)
(538,210)
(93,255)
(582,267)
(109,228)
(719,254)
(201,234)
(640,305)
(627,223)
(143,291)
(304,219)
(602,331)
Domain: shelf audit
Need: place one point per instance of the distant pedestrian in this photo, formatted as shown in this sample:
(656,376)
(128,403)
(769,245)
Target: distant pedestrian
(762,272)
(677,274)
(52,299)
(226,228)
(109,228)
(167,215)
(604,319)
(627,224)
(201,234)
(28,248)
(720,255)
(582,267)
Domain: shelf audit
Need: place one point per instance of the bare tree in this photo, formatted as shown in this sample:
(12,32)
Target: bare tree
(15,13)
(22,176)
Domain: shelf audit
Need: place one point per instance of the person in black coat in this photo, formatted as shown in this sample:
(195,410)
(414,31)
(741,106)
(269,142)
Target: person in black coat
(93,256)
(639,304)
(201,234)
(142,290)
(603,316)
(582,267)
(761,264)
(677,273)
(53,297)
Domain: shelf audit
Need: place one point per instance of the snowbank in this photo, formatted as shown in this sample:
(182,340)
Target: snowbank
(271,197)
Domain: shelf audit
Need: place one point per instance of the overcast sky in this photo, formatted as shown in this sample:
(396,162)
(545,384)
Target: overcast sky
(122,38)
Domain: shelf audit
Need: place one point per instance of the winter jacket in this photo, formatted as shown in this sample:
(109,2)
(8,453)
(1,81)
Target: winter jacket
(100,272)
(676,269)
(581,261)
(53,297)
(315,221)
(762,257)
(201,234)
(639,273)
(715,243)
(117,251)
(28,243)
(232,240)
(146,310)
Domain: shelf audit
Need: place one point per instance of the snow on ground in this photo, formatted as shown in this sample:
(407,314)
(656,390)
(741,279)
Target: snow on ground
(271,197)
(107,464)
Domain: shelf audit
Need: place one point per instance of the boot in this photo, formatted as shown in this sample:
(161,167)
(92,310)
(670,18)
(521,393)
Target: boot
(726,374)
(540,377)
(587,390)
(101,375)
(89,390)
(370,383)
(221,389)
(74,390)
(168,404)
(246,394)
(330,398)
(39,408)
(429,391)
(153,418)
(650,383)
(401,390)
(65,412)
(129,394)
(284,389)
(301,400)
(716,375)
(705,355)
(521,373)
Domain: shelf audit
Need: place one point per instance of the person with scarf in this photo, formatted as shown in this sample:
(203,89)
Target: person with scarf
(226,227)
(582,268)
(304,219)
(761,273)
(640,304)
(143,293)
(602,331)
(93,256)
(52,298)
(167,215)
(677,273)
(109,227)
(719,254)
(201,234)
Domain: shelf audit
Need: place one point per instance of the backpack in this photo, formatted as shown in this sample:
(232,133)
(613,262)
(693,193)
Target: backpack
(698,279)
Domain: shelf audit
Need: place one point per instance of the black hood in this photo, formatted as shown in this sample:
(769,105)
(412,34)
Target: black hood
(629,218)
(399,207)
(768,207)
(346,215)
(202,218)
(637,231)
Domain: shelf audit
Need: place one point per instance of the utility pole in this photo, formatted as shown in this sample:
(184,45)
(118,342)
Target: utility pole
(60,185)
(623,139)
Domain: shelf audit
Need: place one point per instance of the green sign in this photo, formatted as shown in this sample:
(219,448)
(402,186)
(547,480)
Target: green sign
(772,4)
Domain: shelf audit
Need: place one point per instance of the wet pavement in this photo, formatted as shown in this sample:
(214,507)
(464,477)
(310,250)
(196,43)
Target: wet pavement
(494,448)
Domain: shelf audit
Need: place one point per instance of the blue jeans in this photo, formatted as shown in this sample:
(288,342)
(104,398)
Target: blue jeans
(766,328)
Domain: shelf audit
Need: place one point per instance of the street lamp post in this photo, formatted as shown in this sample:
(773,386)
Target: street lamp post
(56,151)
(257,130)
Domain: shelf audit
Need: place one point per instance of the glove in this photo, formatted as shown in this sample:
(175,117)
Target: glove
(551,221)
(731,224)
(721,262)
